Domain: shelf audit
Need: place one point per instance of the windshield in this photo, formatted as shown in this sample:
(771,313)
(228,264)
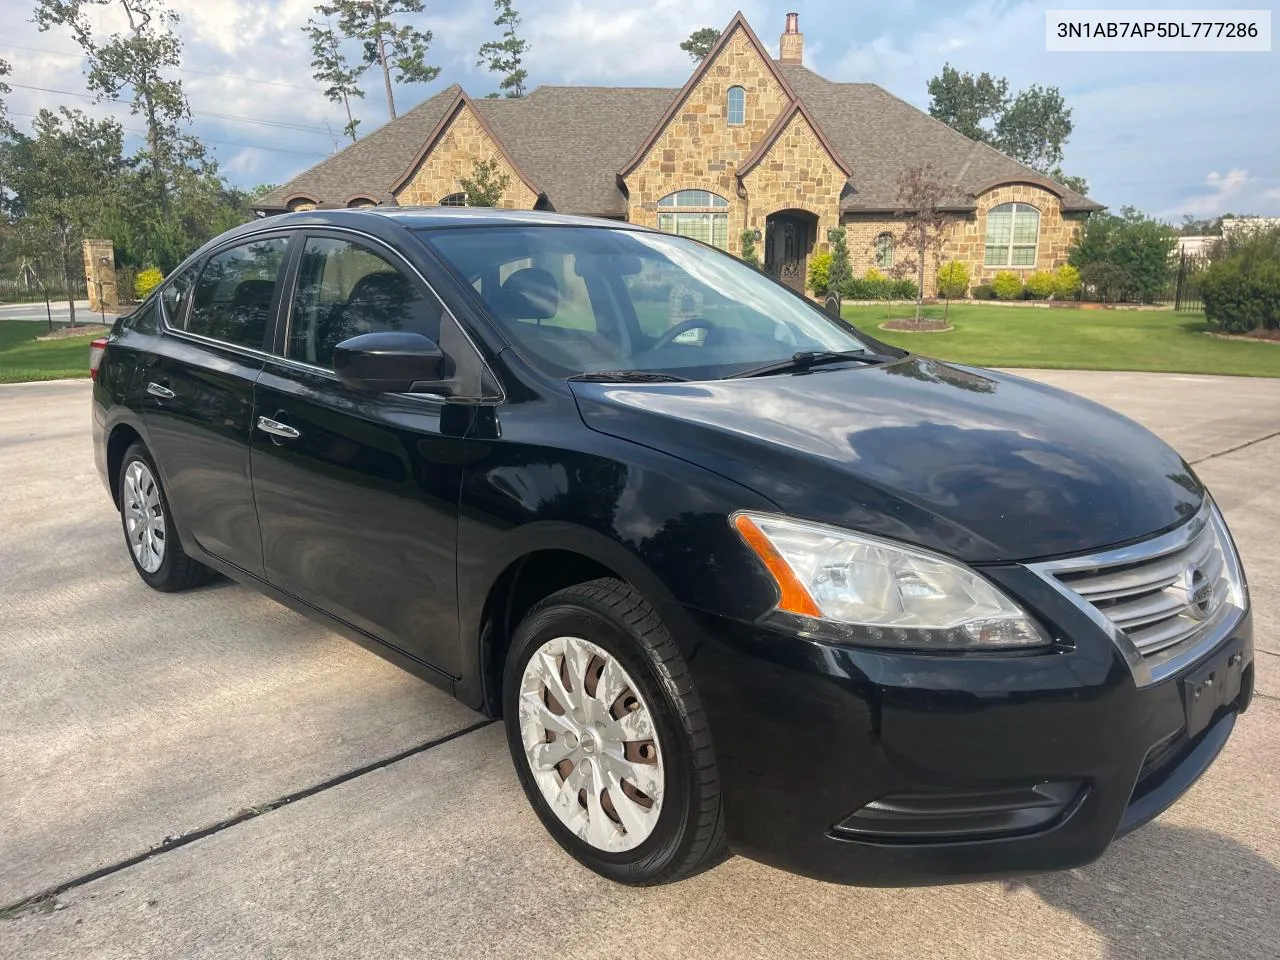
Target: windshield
(583,300)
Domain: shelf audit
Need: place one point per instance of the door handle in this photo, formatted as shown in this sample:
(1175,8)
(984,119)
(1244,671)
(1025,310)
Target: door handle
(277,429)
(158,391)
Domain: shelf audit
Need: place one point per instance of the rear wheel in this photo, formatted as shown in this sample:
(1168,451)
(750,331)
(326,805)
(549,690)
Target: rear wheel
(608,736)
(153,543)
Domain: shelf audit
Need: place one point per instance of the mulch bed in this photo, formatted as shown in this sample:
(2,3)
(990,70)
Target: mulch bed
(912,325)
(79,330)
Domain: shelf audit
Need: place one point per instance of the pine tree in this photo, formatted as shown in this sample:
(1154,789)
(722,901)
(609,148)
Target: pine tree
(506,56)
(332,68)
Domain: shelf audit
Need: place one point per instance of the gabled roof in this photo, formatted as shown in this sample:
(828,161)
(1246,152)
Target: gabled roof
(881,136)
(797,106)
(738,22)
(370,165)
(460,102)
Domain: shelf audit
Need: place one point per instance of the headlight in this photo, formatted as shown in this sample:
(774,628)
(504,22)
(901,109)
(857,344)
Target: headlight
(874,592)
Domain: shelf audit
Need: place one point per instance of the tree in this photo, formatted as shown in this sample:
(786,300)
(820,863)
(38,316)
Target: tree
(1124,257)
(506,56)
(1032,126)
(394,46)
(1193,227)
(920,195)
(60,186)
(841,272)
(486,185)
(965,102)
(331,67)
(5,70)
(700,43)
(749,254)
(130,67)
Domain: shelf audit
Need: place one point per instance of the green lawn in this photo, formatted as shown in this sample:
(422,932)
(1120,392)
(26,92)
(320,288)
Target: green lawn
(23,358)
(1073,339)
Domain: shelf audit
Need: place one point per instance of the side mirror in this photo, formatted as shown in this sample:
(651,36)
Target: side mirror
(390,362)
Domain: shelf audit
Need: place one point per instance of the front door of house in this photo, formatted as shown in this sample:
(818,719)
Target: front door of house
(786,243)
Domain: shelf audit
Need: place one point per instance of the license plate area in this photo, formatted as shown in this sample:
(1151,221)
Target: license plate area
(1213,685)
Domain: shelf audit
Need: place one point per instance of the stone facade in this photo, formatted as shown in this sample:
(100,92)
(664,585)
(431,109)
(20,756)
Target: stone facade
(1057,232)
(699,150)
(464,143)
(797,173)
(100,275)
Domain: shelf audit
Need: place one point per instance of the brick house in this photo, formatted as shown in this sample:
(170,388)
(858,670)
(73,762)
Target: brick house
(749,143)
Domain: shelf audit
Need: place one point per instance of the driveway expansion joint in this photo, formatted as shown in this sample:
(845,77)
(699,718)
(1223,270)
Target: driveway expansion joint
(46,901)
(1236,448)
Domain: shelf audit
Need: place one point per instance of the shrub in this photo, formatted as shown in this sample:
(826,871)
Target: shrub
(902,289)
(840,270)
(146,281)
(1066,282)
(1040,285)
(1126,256)
(1241,286)
(749,254)
(864,289)
(984,291)
(953,279)
(820,273)
(1007,285)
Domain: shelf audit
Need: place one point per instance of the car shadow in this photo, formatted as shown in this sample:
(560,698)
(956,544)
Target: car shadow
(1169,891)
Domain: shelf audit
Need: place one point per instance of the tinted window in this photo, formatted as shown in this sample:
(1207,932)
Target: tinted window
(346,289)
(174,297)
(232,300)
(142,320)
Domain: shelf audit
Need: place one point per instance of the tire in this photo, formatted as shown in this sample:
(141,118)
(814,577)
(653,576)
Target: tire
(146,519)
(579,630)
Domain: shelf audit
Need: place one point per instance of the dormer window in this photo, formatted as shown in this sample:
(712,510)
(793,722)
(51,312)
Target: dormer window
(736,106)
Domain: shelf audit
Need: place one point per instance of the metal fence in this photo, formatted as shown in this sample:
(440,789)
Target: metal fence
(1186,284)
(28,281)
(1181,292)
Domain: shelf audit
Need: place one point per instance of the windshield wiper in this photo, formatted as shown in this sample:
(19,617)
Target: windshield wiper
(627,376)
(802,361)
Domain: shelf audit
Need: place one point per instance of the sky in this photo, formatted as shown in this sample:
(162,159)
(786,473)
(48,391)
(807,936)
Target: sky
(1169,133)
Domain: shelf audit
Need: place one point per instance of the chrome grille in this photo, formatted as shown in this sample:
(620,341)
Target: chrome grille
(1153,600)
(1160,599)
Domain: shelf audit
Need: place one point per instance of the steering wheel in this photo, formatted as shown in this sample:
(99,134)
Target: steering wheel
(693,323)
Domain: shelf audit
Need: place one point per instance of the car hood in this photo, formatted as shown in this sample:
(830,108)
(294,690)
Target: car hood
(981,465)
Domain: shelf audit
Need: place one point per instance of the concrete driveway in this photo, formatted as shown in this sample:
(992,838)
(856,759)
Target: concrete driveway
(211,775)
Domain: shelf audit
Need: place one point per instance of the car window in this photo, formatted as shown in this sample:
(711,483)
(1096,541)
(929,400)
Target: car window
(174,297)
(232,300)
(580,300)
(345,289)
(142,320)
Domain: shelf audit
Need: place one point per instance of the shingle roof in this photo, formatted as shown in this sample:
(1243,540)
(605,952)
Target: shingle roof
(881,136)
(371,164)
(573,141)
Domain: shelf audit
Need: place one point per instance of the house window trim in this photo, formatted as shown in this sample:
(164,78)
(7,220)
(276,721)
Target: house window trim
(717,209)
(449,199)
(1020,208)
(728,106)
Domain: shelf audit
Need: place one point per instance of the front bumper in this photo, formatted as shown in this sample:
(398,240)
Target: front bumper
(808,733)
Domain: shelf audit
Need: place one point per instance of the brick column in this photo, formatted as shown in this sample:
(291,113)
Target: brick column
(100,275)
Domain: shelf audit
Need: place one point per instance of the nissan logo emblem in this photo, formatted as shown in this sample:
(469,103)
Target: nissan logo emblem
(1198,591)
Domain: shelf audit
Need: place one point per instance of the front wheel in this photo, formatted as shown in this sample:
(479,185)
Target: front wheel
(608,736)
(153,542)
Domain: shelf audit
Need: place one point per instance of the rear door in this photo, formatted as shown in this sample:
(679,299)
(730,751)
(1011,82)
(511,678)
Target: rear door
(358,500)
(198,393)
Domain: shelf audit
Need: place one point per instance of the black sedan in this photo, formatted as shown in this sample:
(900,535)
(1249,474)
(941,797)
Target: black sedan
(733,573)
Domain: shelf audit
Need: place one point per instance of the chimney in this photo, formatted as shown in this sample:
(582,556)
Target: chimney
(791,44)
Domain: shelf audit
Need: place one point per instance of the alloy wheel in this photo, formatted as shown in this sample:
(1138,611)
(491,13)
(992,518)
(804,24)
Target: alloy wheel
(591,743)
(143,516)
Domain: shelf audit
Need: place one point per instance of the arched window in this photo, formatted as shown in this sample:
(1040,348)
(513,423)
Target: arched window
(884,251)
(699,214)
(454,200)
(1012,232)
(736,107)
(356,202)
(300,203)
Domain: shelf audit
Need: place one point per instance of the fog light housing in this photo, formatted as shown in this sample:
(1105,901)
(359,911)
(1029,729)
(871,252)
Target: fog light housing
(963,815)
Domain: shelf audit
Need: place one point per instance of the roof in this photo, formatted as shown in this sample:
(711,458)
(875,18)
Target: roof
(574,142)
(880,136)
